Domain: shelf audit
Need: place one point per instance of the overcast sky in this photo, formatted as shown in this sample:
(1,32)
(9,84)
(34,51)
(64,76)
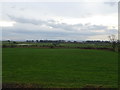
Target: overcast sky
(66,21)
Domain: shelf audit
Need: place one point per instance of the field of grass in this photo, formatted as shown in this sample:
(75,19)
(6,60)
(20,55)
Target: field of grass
(60,67)
(62,45)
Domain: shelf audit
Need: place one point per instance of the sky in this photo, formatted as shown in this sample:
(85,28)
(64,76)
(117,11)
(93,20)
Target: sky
(58,20)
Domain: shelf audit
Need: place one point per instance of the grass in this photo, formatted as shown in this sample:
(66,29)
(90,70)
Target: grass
(69,45)
(73,68)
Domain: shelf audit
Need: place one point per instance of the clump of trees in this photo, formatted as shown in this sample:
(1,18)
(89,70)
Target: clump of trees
(46,41)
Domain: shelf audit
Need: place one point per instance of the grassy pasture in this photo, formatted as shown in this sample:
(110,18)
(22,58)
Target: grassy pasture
(60,67)
(67,45)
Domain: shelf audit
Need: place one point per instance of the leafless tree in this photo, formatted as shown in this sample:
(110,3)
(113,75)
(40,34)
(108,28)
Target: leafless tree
(113,41)
(112,38)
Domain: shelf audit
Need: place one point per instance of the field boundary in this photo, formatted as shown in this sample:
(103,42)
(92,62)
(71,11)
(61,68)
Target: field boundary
(90,48)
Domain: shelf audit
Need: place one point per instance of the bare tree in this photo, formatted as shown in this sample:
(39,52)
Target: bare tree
(113,39)
(9,41)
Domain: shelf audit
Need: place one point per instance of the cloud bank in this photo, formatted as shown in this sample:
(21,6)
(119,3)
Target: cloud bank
(68,21)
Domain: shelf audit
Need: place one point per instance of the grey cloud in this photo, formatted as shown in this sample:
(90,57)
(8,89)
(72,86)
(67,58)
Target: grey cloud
(40,35)
(97,27)
(64,26)
(25,34)
(111,3)
(13,7)
(51,23)
(62,30)
(47,33)
(112,31)
(24,20)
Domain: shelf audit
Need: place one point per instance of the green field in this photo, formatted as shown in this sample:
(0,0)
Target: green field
(62,45)
(60,67)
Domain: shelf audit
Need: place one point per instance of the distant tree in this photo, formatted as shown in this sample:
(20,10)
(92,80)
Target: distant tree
(41,41)
(113,41)
(27,40)
(75,41)
(69,41)
(9,41)
(37,41)
(112,38)
(14,42)
(32,41)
